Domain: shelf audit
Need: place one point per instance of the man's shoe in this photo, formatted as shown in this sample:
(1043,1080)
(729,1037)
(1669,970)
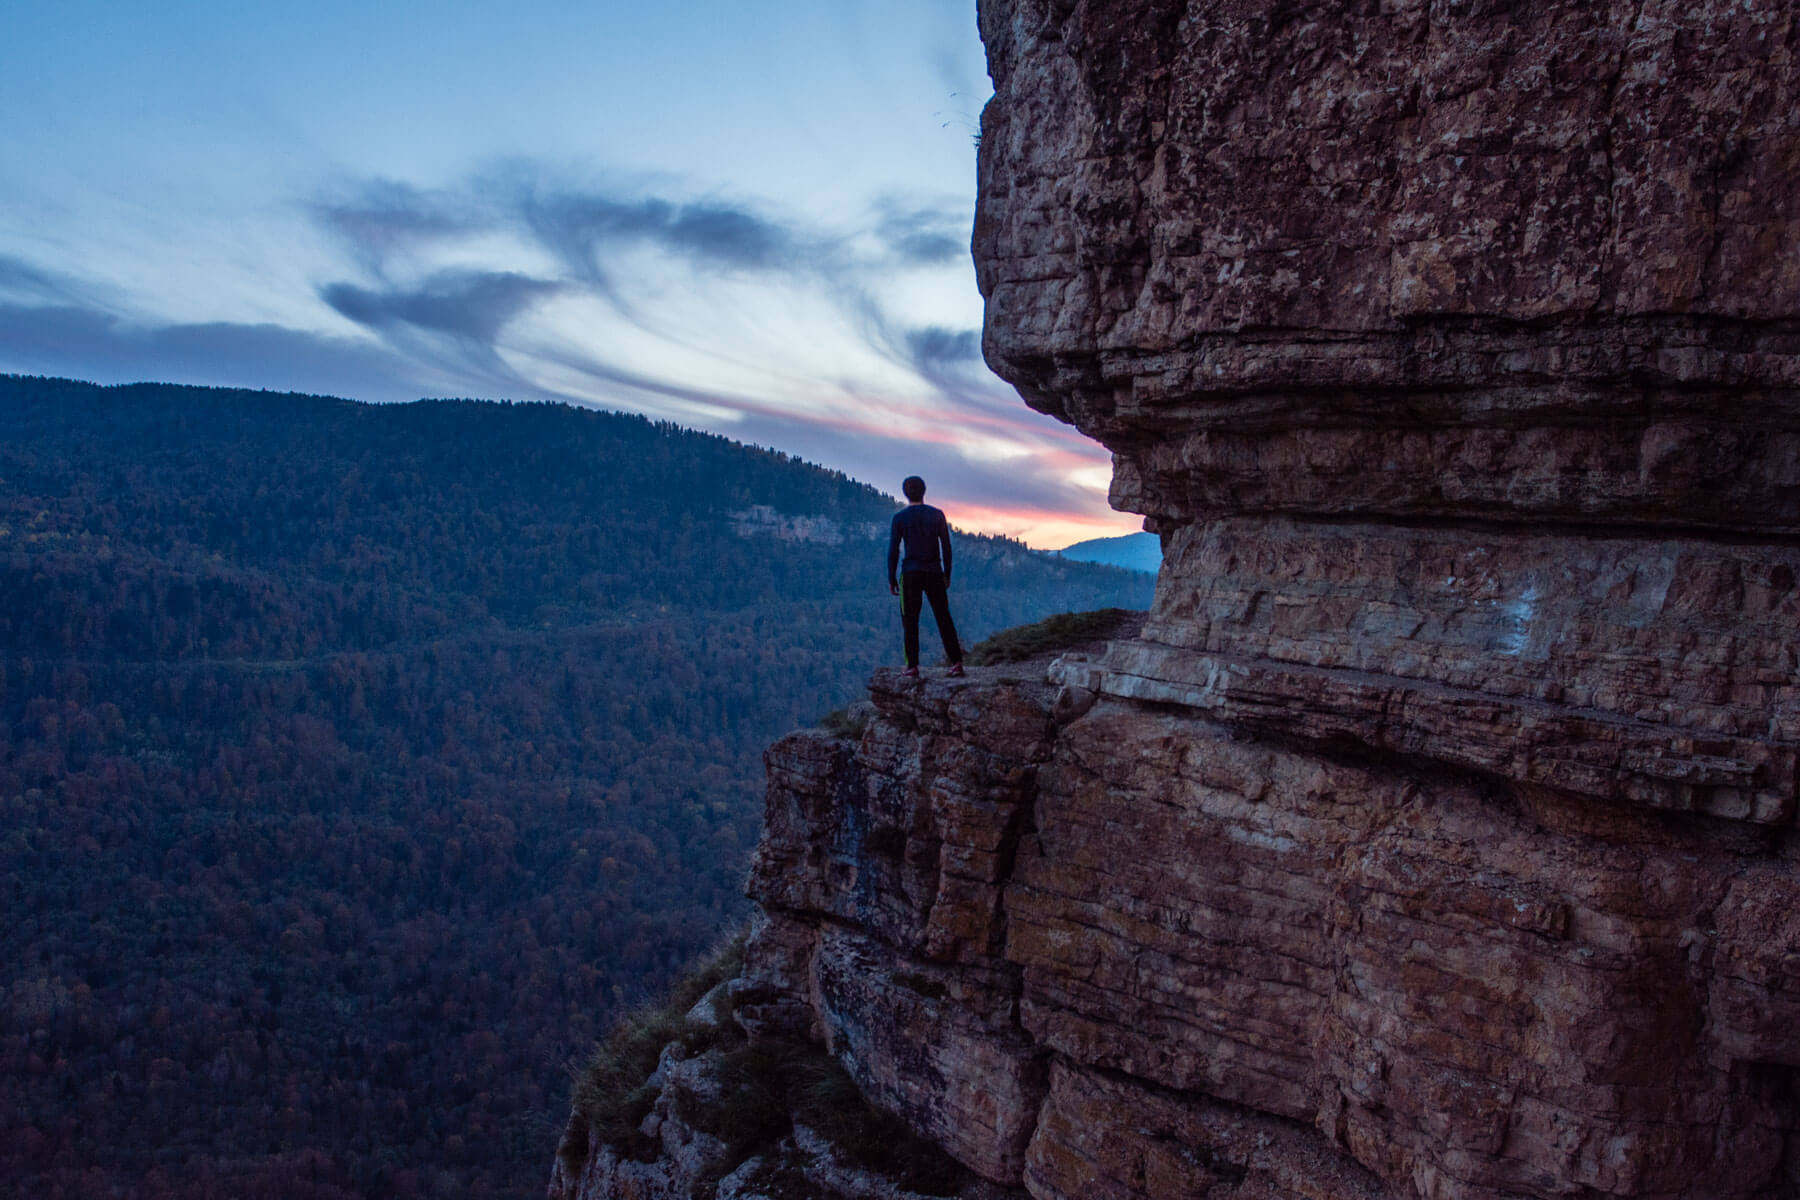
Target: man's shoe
(956,670)
(911,673)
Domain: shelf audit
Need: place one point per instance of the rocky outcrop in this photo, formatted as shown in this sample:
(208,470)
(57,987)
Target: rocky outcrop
(1436,836)
(1102,946)
(1418,260)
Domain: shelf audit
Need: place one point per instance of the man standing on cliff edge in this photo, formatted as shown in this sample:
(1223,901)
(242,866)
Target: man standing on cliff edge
(923,531)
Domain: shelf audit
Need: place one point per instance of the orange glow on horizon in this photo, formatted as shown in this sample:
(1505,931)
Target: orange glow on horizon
(1039,528)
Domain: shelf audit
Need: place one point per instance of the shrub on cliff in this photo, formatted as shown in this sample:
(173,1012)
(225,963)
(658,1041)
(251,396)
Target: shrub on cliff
(767,1088)
(1052,635)
(613,1094)
(759,1092)
(849,721)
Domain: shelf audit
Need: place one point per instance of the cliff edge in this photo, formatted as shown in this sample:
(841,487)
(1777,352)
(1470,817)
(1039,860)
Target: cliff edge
(1435,836)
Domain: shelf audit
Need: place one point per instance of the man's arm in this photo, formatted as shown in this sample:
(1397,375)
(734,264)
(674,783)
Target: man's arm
(944,542)
(893,552)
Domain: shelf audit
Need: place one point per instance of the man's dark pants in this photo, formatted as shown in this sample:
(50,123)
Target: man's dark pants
(930,585)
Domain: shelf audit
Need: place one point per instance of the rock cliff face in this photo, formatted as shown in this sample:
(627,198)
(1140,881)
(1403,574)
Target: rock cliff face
(1531,262)
(1436,836)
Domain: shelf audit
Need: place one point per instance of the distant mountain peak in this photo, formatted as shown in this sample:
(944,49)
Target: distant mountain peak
(1133,551)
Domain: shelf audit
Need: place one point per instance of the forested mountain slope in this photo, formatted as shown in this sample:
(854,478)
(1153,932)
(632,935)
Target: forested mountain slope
(1133,551)
(358,762)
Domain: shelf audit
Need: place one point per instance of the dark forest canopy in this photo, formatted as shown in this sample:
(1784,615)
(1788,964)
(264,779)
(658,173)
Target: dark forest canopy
(358,762)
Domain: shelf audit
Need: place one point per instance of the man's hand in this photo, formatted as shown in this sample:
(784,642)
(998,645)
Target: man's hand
(893,589)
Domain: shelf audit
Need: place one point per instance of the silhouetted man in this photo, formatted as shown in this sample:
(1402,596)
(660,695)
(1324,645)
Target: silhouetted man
(923,532)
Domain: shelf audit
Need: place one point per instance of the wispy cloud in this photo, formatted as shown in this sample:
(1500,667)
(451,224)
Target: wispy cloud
(90,344)
(709,309)
(23,281)
(923,235)
(473,306)
(709,232)
(379,219)
(935,345)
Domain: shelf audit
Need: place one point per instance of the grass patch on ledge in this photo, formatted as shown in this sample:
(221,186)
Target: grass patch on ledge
(613,1094)
(849,721)
(769,1087)
(1051,635)
(763,1090)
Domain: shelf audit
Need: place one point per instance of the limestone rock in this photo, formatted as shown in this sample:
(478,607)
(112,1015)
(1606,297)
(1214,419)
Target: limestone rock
(1416,259)
(1234,965)
(1435,838)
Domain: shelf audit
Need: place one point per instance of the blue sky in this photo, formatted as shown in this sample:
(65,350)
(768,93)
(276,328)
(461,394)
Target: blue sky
(751,217)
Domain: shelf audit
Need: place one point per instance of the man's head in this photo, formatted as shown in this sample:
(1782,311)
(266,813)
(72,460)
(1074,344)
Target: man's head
(914,487)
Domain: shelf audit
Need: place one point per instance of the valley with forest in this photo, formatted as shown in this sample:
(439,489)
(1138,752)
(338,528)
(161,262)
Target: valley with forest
(360,764)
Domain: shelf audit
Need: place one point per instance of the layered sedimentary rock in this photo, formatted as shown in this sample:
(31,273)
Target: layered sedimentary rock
(1098,946)
(1526,261)
(1436,836)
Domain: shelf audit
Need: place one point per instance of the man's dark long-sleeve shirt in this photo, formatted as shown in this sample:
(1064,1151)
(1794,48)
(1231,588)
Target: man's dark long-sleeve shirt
(923,531)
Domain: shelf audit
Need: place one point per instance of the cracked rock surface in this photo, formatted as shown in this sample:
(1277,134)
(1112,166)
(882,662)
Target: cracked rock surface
(1435,837)
(1529,261)
(1139,953)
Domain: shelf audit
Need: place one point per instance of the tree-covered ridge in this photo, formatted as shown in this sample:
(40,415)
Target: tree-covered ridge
(357,762)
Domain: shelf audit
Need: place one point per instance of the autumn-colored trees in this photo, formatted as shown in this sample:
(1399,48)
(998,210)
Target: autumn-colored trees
(357,763)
